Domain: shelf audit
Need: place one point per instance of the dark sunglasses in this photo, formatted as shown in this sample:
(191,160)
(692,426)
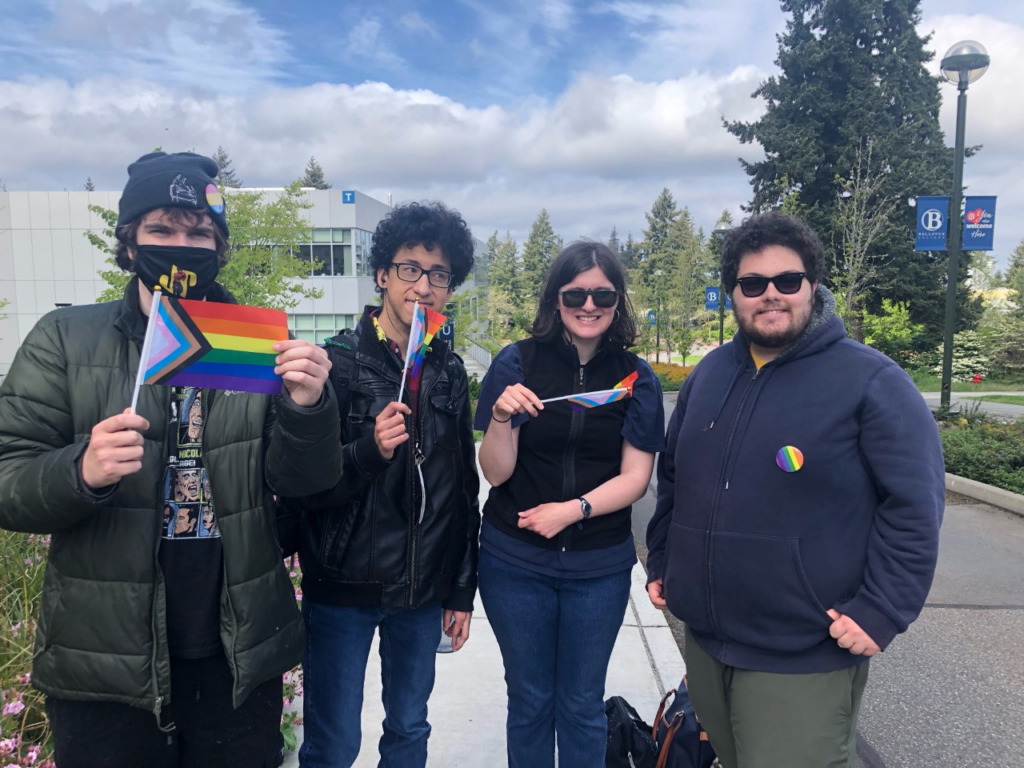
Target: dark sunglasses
(787,283)
(574,298)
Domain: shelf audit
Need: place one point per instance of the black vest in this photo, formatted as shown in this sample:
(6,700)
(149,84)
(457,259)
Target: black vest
(565,454)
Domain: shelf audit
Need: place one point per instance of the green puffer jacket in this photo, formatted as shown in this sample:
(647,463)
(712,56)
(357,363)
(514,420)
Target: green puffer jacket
(101,633)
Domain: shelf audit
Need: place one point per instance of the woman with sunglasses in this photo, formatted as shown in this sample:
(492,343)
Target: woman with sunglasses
(556,546)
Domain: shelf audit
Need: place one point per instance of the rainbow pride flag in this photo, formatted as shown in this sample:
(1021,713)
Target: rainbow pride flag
(432,322)
(628,382)
(594,399)
(211,345)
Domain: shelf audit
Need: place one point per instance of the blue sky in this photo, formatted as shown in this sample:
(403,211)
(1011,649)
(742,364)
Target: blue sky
(499,108)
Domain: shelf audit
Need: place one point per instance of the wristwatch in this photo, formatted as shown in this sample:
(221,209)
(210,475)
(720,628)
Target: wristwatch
(585,508)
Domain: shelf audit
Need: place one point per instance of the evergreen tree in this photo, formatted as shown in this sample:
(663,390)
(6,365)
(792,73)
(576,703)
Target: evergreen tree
(314,176)
(852,72)
(1015,276)
(613,242)
(630,253)
(89,186)
(226,176)
(504,271)
(654,250)
(541,247)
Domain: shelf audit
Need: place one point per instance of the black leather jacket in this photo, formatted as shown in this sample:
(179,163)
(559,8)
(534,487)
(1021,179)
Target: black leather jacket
(396,533)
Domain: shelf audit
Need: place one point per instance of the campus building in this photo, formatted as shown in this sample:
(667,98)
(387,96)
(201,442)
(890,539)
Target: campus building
(46,260)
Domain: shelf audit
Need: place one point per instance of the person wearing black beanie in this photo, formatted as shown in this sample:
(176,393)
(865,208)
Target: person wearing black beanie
(182,180)
(168,616)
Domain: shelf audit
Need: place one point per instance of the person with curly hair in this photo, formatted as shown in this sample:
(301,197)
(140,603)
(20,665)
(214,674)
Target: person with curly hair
(799,501)
(393,547)
(556,547)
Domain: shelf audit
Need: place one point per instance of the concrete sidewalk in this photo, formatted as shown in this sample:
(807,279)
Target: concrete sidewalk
(468,706)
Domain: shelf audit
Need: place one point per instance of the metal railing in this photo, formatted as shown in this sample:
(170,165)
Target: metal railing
(481,354)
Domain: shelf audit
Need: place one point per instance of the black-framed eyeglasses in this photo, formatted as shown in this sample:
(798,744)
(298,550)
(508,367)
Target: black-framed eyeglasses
(574,298)
(410,273)
(755,285)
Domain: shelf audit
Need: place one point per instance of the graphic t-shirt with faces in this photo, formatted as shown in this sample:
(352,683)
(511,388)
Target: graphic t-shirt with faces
(191,555)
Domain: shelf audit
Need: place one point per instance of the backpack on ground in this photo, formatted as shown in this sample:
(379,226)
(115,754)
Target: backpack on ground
(630,739)
(682,742)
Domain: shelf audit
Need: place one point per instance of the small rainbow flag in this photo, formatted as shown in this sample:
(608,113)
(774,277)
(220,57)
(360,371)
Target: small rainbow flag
(425,323)
(599,397)
(212,345)
(594,399)
(628,382)
(433,322)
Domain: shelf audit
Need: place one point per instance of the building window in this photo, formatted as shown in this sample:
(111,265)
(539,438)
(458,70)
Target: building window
(316,328)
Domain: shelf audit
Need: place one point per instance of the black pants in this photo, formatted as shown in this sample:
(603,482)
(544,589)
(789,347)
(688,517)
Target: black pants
(208,732)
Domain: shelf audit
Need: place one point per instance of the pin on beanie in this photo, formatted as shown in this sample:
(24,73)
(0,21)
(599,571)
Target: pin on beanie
(180,180)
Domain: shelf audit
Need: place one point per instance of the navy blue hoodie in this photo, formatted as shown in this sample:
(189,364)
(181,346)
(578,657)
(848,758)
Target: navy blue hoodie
(753,555)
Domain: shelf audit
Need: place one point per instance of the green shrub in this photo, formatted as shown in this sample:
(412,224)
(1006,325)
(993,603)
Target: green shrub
(987,451)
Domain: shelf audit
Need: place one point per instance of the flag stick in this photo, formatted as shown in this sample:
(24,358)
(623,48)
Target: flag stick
(409,352)
(586,394)
(146,344)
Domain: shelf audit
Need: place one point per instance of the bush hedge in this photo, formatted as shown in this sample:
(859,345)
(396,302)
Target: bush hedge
(672,376)
(985,450)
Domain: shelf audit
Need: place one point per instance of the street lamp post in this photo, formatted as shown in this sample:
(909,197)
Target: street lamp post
(657,348)
(964,63)
(721,230)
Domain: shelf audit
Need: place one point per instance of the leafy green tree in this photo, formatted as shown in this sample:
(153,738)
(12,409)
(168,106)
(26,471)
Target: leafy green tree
(540,248)
(266,233)
(314,176)
(892,332)
(89,186)
(854,71)
(115,277)
(1005,346)
(226,176)
(262,268)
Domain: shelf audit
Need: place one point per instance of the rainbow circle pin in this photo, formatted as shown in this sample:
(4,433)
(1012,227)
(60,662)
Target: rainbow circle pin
(789,458)
(214,199)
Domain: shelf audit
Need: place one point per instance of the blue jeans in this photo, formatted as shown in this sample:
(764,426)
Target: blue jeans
(556,638)
(338,642)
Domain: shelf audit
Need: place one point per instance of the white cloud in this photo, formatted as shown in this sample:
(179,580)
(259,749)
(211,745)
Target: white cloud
(607,145)
(365,41)
(415,22)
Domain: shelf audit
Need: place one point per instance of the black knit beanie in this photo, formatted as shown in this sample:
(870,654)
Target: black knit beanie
(181,180)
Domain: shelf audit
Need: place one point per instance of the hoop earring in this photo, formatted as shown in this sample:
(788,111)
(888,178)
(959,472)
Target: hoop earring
(558,315)
(617,316)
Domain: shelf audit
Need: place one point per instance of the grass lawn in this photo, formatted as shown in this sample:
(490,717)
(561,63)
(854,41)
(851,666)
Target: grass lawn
(927,382)
(1011,399)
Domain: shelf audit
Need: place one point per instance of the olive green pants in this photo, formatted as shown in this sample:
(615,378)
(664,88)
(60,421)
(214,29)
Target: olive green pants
(769,720)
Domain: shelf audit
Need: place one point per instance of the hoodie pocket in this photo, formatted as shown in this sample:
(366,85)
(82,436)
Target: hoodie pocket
(686,577)
(762,596)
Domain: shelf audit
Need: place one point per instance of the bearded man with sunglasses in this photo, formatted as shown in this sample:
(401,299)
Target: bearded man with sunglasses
(799,504)
(393,547)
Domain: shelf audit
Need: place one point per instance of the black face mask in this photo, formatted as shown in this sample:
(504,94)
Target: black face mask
(188,273)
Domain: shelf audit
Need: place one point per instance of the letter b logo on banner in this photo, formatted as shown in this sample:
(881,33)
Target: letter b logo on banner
(932,223)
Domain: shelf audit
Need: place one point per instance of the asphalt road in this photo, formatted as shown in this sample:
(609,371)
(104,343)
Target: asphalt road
(965,400)
(950,691)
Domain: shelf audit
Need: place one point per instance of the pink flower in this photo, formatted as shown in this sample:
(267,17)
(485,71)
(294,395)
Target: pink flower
(33,753)
(8,745)
(25,679)
(13,707)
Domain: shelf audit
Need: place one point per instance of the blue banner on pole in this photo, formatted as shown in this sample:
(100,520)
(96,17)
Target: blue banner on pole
(979,223)
(932,223)
(652,318)
(711,298)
